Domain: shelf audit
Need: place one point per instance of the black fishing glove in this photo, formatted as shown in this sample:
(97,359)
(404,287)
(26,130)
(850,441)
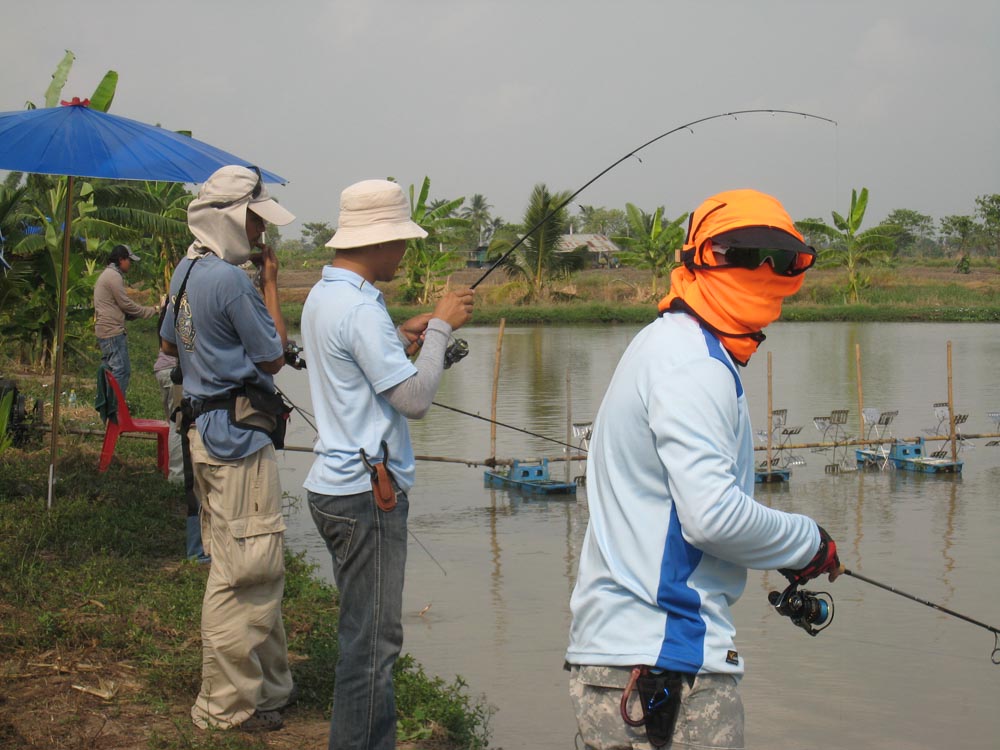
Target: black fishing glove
(824,561)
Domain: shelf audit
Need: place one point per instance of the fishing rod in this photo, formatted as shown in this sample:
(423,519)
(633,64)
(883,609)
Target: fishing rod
(813,610)
(994,656)
(630,154)
(459,347)
(305,415)
(509,426)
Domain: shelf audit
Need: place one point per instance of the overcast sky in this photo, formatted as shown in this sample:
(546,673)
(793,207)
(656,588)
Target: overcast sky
(494,97)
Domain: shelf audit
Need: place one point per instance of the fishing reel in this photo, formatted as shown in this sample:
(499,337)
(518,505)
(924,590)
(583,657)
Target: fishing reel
(456,351)
(806,609)
(293,356)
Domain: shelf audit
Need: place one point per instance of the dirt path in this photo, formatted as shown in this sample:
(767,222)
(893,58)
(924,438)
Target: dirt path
(63,701)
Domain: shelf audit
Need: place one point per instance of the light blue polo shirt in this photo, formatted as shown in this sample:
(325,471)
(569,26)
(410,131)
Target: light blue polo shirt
(354,356)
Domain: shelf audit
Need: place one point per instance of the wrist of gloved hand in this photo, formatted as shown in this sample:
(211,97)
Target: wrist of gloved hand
(824,561)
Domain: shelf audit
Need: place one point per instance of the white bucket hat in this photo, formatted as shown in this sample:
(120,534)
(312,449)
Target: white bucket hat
(373,211)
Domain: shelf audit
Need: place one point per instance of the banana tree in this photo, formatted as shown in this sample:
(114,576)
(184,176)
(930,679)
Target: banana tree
(156,215)
(849,247)
(426,260)
(650,243)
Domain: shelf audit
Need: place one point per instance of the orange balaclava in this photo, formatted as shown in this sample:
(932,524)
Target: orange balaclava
(735,303)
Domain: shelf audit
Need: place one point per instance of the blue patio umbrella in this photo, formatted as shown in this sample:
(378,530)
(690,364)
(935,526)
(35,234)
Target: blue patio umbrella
(82,142)
(76,141)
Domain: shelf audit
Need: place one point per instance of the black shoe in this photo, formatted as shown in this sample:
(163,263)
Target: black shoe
(293,698)
(262,721)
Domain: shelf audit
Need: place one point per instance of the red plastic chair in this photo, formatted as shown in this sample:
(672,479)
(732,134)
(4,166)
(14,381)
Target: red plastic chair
(123,422)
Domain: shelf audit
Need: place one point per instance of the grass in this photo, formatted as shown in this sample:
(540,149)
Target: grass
(99,579)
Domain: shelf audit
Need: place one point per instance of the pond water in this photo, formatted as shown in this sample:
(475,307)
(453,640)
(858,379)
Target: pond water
(888,673)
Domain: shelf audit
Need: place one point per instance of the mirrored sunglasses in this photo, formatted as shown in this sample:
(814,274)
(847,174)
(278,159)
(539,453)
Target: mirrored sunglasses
(782,262)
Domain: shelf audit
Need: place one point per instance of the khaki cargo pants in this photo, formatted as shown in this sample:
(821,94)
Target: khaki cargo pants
(244,654)
(711,712)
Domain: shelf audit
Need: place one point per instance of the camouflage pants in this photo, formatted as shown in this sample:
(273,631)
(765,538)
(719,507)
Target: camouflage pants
(711,712)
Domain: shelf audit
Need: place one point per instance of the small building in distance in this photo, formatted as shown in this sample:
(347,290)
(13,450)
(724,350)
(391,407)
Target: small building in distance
(601,251)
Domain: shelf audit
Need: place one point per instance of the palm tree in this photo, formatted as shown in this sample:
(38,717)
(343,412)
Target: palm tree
(848,246)
(651,243)
(477,213)
(536,259)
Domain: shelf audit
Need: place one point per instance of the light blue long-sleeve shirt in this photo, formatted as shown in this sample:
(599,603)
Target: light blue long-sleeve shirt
(673,524)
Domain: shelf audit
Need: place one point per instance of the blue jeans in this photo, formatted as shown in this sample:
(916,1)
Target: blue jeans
(368,548)
(114,354)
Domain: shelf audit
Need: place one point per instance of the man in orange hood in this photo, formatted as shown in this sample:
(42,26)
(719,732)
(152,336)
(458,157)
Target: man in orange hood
(670,475)
(742,257)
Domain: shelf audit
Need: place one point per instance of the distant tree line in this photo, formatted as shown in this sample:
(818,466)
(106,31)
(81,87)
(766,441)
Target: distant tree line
(152,217)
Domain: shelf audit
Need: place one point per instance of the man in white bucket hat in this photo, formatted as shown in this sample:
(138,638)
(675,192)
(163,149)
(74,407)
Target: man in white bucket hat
(230,342)
(363,390)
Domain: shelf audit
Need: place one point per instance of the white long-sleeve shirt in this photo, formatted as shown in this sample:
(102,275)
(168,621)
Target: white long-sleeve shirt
(673,524)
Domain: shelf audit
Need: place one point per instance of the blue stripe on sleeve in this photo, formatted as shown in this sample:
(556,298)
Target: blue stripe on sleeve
(715,351)
(683,646)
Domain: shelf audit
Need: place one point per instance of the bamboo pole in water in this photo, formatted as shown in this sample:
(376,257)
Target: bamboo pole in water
(861,395)
(496,382)
(569,422)
(770,413)
(951,411)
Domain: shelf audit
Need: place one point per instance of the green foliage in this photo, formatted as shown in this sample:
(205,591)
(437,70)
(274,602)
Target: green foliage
(537,259)
(960,231)
(651,244)
(102,570)
(150,216)
(611,222)
(912,232)
(848,247)
(104,94)
(988,209)
(59,78)
(477,213)
(315,234)
(426,260)
(6,438)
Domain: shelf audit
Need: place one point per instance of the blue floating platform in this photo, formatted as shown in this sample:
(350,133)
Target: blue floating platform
(908,457)
(528,477)
(773,476)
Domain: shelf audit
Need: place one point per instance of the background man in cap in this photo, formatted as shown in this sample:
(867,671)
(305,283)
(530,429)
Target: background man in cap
(112,307)
(670,474)
(363,390)
(230,341)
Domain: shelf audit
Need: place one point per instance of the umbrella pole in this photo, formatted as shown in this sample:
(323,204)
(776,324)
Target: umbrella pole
(60,332)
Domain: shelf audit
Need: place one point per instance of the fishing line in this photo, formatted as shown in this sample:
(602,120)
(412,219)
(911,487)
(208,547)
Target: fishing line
(509,427)
(994,656)
(305,416)
(299,409)
(629,155)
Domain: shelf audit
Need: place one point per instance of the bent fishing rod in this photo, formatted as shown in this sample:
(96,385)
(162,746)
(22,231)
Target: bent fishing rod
(686,126)
(459,348)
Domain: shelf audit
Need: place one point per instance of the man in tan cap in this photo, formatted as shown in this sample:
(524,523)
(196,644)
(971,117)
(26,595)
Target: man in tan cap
(230,343)
(112,307)
(363,390)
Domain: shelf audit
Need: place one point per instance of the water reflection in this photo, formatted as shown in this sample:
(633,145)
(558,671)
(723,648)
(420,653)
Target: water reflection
(888,673)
